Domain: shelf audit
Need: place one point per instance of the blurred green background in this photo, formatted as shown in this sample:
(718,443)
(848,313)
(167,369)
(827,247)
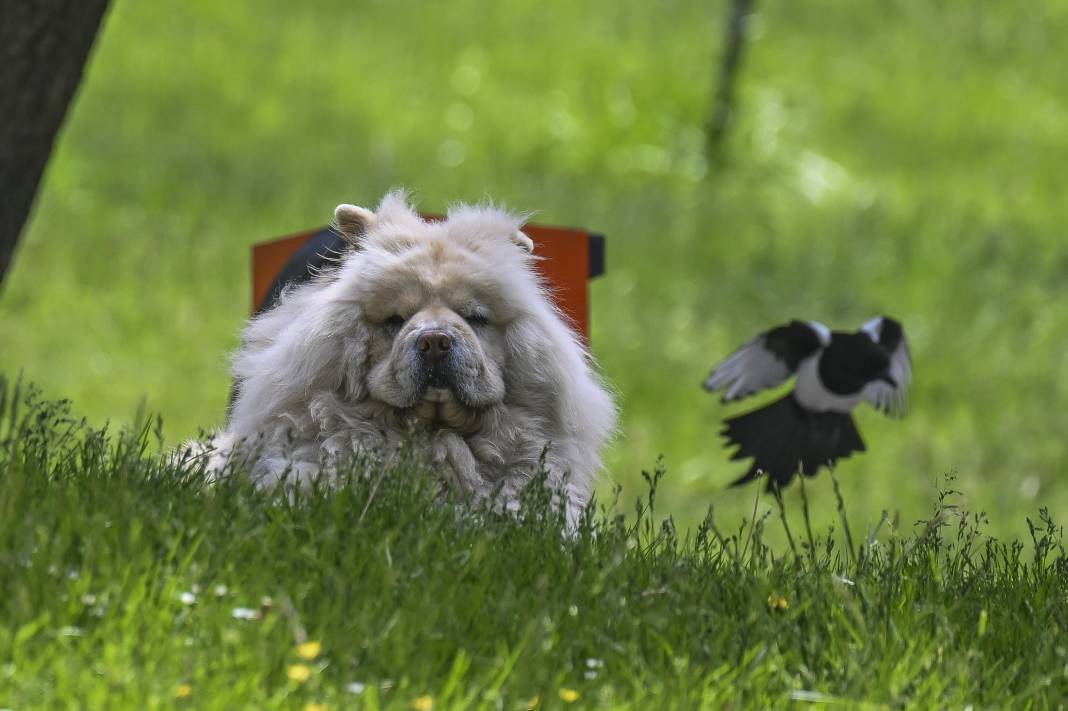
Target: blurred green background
(903,157)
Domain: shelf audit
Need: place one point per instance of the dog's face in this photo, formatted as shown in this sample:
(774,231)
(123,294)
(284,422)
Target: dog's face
(433,339)
(436,311)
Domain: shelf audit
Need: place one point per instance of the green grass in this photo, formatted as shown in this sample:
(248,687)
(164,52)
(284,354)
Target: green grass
(905,157)
(125,582)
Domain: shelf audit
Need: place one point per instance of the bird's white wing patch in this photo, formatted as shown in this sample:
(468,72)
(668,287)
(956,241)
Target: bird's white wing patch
(887,398)
(821,331)
(749,369)
(874,328)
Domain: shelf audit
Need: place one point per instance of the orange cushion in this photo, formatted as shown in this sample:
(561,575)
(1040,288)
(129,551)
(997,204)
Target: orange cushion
(565,264)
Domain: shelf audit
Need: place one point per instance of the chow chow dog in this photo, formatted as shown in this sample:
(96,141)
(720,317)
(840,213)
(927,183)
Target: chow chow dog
(436,335)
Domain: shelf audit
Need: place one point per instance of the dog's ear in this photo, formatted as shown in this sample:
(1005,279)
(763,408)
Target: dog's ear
(353,222)
(519,239)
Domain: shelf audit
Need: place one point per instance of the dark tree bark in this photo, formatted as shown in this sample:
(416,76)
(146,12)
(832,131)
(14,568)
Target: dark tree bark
(723,105)
(44,45)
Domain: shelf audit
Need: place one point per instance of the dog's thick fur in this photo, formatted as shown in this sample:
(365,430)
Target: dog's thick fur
(437,333)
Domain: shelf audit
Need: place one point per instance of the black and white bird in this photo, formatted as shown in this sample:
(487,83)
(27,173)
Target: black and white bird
(812,426)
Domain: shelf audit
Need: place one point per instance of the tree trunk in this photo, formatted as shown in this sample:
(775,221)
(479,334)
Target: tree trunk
(723,107)
(44,45)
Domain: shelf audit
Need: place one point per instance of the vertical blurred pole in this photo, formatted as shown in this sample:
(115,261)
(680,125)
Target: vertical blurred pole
(723,104)
(43,48)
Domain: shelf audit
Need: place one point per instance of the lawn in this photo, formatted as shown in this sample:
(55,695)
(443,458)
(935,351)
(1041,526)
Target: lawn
(126,583)
(903,158)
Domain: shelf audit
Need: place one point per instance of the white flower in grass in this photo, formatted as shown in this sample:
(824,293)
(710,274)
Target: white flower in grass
(221,590)
(355,687)
(573,611)
(188,598)
(590,674)
(593,663)
(244,613)
(88,599)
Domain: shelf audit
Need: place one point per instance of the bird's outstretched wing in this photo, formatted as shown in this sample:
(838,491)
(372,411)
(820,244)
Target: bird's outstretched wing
(890,336)
(767,359)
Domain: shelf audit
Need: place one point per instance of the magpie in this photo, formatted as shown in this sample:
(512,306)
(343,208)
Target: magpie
(811,426)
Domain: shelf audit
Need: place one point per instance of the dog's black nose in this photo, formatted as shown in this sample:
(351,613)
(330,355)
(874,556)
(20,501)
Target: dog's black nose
(434,344)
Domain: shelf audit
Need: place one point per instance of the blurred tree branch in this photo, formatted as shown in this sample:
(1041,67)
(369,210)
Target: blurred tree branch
(44,45)
(723,104)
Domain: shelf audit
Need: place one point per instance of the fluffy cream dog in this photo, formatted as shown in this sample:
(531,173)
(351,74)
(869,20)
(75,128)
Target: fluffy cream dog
(437,333)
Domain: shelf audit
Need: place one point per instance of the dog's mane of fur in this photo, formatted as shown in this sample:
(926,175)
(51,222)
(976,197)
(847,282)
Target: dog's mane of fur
(301,371)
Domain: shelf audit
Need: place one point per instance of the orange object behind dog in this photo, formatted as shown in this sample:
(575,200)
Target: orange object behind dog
(569,258)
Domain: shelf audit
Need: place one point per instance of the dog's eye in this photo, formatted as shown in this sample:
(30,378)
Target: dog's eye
(394,321)
(478,320)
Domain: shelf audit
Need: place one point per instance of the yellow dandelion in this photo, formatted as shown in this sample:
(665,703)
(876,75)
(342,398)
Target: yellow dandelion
(183,691)
(569,695)
(778,602)
(299,672)
(309,650)
(314,707)
(423,703)
(533,703)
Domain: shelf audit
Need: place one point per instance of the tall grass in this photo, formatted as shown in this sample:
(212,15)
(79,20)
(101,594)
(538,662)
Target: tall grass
(125,582)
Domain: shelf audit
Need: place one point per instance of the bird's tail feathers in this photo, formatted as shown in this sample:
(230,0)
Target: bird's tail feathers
(783,439)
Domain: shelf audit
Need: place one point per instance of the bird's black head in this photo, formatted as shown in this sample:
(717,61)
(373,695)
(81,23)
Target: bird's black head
(851,361)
